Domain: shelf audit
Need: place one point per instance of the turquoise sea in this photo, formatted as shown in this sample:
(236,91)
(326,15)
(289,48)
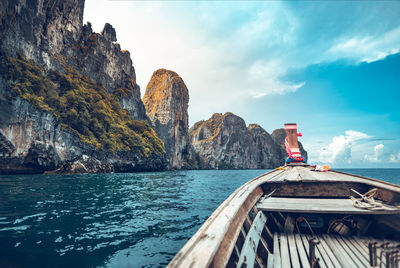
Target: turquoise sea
(114,220)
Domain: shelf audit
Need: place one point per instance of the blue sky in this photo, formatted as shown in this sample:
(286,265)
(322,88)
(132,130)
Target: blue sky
(332,67)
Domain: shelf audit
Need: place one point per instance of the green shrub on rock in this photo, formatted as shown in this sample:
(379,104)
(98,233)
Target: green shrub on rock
(82,105)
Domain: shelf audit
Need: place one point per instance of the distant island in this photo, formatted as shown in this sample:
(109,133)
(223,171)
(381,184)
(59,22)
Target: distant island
(69,103)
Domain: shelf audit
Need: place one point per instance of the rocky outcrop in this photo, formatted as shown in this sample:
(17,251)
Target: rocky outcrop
(47,38)
(166,100)
(225,142)
(52,34)
(279,135)
(84,164)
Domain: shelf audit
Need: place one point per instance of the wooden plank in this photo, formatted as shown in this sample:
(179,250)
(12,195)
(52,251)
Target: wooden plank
(264,244)
(316,205)
(340,253)
(265,226)
(308,175)
(327,255)
(294,257)
(249,251)
(363,249)
(355,249)
(280,176)
(302,252)
(270,261)
(293,175)
(277,254)
(322,262)
(284,248)
(348,251)
(228,240)
(317,189)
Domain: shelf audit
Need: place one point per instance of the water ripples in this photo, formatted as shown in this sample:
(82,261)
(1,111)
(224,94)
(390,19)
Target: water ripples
(107,220)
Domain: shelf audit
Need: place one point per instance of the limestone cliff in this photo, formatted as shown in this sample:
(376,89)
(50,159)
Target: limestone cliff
(166,100)
(68,94)
(225,142)
(52,34)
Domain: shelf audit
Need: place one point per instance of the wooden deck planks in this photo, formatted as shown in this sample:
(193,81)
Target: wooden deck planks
(308,175)
(280,176)
(293,174)
(332,251)
(291,250)
(363,249)
(331,256)
(270,261)
(340,253)
(294,256)
(350,251)
(358,252)
(305,239)
(284,248)
(277,254)
(302,251)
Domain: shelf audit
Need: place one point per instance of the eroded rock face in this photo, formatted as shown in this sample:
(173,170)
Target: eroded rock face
(166,100)
(225,142)
(31,140)
(51,33)
(84,164)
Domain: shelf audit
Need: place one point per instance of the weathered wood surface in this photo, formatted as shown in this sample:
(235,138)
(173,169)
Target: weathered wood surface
(332,250)
(277,254)
(305,173)
(316,205)
(249,250)
(302,251)
(284,249)
(214,241)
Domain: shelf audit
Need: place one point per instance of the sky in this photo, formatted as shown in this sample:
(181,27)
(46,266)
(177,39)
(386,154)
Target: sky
(333,67)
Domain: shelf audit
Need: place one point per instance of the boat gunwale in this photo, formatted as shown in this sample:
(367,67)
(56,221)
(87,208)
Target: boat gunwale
(182,256)
(396,186)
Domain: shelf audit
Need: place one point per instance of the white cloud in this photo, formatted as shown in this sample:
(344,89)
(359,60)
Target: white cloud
(339,151)
(232,52)
(274,85)
(378,154)
(214,68)
(367,48)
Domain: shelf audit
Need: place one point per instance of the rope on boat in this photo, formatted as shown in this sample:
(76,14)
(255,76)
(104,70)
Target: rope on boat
(367,201)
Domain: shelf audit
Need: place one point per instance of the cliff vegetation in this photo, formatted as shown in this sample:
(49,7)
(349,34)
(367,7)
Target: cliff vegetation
(82,105)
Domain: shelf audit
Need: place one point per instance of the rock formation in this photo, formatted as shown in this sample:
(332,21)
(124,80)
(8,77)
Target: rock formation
(225,142)
(69,102)
(63,89)
(166,100)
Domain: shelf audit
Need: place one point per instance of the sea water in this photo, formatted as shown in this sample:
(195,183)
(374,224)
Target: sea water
(113,220)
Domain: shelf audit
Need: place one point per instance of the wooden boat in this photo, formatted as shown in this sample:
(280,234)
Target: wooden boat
(297,217)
